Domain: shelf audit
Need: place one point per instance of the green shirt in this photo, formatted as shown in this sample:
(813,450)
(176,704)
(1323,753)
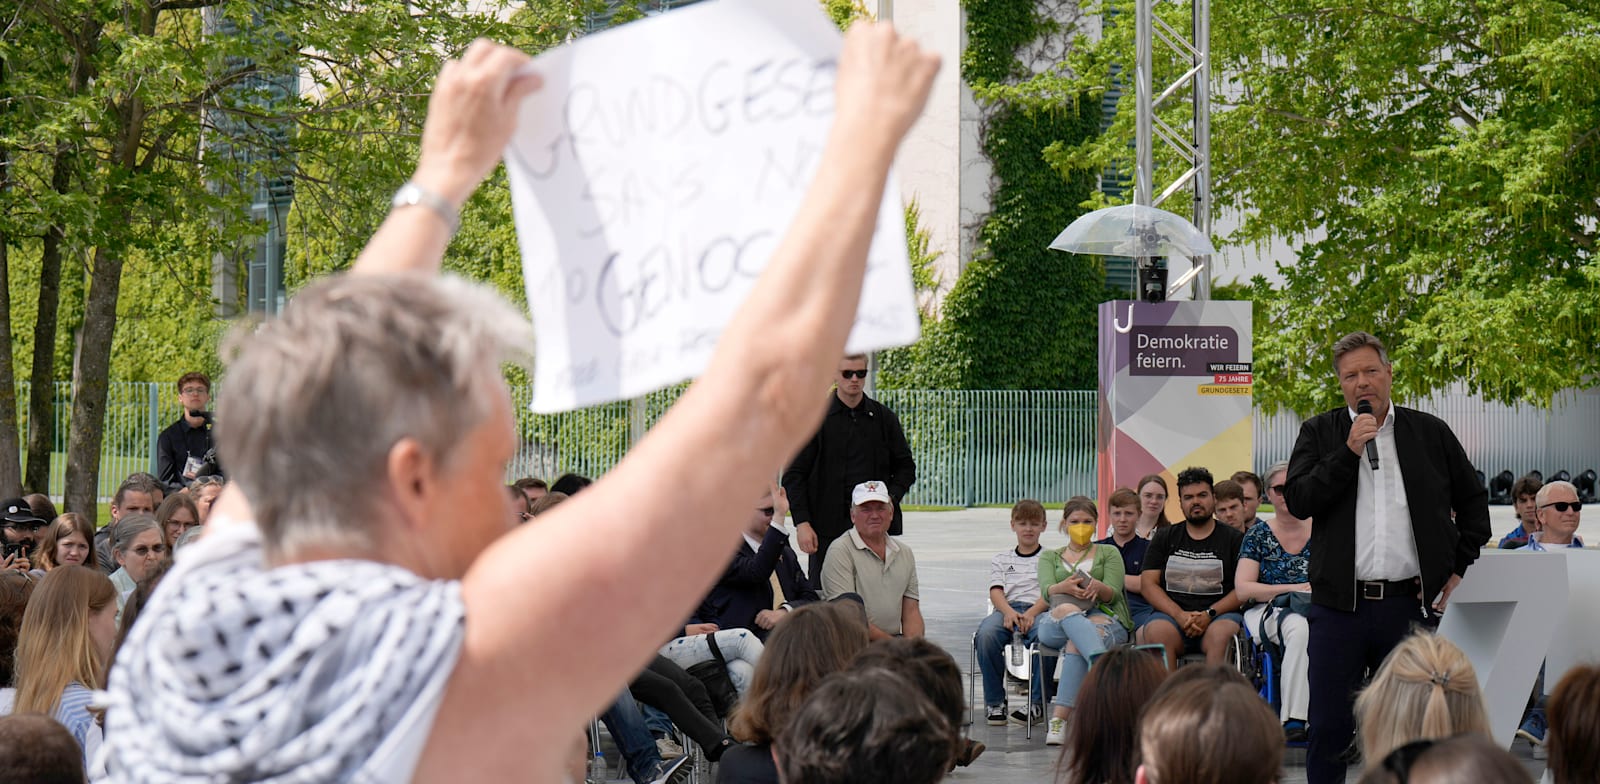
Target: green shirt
(1107,568)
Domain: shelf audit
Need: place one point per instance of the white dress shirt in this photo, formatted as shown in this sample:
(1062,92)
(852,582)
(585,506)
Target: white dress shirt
(1386,547)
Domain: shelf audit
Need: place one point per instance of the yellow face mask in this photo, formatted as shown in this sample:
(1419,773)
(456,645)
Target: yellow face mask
(1080,534)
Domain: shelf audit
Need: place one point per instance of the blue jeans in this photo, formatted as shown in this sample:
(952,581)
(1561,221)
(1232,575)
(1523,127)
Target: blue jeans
(626,724)
(993,637)
(1089,638)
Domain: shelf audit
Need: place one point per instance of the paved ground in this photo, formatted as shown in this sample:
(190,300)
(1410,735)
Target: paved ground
(953,551)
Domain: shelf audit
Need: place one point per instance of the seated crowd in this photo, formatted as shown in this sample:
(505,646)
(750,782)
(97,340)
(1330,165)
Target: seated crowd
(780,683)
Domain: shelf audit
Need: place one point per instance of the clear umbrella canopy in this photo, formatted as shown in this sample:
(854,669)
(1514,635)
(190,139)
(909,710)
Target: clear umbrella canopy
(1133,230)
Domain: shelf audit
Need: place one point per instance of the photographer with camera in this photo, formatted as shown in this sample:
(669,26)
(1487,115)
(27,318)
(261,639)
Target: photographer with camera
(19,532)
(184,451)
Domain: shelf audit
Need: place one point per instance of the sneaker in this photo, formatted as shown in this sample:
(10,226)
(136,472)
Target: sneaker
(674,772)
(1294,731)
(997,715)
(1030,714)
(1057,733)
(1532,730)
(668,748)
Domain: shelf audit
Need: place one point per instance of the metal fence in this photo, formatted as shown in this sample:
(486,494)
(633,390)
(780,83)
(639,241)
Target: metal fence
(972,447)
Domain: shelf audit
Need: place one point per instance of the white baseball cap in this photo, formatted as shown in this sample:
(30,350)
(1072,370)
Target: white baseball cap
(870,491)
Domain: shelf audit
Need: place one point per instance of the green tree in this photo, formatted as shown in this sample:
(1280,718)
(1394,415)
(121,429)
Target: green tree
(108,102)
(1438,160)
(1020,316)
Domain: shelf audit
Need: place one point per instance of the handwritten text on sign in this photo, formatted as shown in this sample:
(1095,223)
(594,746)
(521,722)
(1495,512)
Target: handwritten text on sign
(653,177)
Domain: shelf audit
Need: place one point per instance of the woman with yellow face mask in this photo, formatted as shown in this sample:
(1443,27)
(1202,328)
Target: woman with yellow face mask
(1088,609)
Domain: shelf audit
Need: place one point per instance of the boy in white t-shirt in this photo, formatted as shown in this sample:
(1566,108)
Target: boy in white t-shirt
(1014,592)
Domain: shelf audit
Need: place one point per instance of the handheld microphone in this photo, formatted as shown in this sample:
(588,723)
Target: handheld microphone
(1365,407)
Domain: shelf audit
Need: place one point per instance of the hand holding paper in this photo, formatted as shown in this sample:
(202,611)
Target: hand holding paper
(655,178)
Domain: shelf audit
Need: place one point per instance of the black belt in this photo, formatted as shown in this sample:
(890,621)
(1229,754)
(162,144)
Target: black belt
(1378,590)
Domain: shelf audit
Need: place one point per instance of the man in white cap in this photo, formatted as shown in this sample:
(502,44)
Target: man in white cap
(881,570)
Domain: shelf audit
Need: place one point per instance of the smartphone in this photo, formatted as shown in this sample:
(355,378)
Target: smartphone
(14,549)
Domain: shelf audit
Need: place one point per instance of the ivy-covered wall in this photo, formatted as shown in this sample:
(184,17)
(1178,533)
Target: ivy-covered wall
(1020,316)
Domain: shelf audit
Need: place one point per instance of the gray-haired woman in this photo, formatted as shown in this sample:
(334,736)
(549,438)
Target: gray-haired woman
(137,545)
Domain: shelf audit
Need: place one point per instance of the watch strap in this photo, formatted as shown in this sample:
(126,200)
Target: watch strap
(413,195)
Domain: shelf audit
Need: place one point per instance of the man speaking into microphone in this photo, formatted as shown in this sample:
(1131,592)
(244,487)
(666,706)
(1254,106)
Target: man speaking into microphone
(1380,484)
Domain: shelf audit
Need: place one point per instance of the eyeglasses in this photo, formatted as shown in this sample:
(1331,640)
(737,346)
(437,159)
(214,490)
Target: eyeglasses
(853,373)
(191,391)
(1562,506)
(207,481)
(768,510)
(29,527)
(1279,489)
(184,524)
(145,550)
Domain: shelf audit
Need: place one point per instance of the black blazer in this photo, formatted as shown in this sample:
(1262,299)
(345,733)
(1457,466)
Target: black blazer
(1438,478)
(746,588)
(820,478)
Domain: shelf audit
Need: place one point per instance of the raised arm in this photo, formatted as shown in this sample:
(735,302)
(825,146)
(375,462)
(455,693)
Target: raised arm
(522,679)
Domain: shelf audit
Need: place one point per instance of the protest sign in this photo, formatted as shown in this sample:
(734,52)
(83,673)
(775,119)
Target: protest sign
(653,176)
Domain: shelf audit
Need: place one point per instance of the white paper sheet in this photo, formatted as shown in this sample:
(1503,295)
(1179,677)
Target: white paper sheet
(653,176)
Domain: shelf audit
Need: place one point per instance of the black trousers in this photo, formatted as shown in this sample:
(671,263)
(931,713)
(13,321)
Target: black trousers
(668,688)
(1343,646)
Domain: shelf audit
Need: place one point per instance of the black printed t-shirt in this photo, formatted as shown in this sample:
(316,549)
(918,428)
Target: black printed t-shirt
(1196,573)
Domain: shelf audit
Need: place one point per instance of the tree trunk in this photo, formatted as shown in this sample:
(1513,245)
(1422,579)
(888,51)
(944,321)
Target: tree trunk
(41,390)
(10,468)
(89,390)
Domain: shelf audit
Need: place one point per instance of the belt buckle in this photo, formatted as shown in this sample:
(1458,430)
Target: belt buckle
(1372,590)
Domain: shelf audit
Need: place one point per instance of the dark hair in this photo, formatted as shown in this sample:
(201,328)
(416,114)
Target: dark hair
(1214,674)
(1228,490)
(194,375)
(1574,713)
(530,483)
(815,641)
(1469,758)
(929,668)
(59,528)
(1122,499)
(1358,340)
(518,498)
(544,502)
(136,603)
(1102,744)
(1527,485)
(1202,731)
(1194,475)
(570,484)
(1161,520)
(41,506)
(1028,509)
(40,750)
(15,589)
(1250,477)
(865,725)
(138,483)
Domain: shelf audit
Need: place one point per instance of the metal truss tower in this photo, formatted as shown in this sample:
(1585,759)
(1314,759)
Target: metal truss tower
(1194,147)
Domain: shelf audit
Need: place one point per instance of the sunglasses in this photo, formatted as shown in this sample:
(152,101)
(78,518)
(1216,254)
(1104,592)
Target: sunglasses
(853,373)
(30,527)
(1562,506)
(1279,489)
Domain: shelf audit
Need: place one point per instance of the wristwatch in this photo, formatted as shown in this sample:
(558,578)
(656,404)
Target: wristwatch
(414,195)
(1211,612)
